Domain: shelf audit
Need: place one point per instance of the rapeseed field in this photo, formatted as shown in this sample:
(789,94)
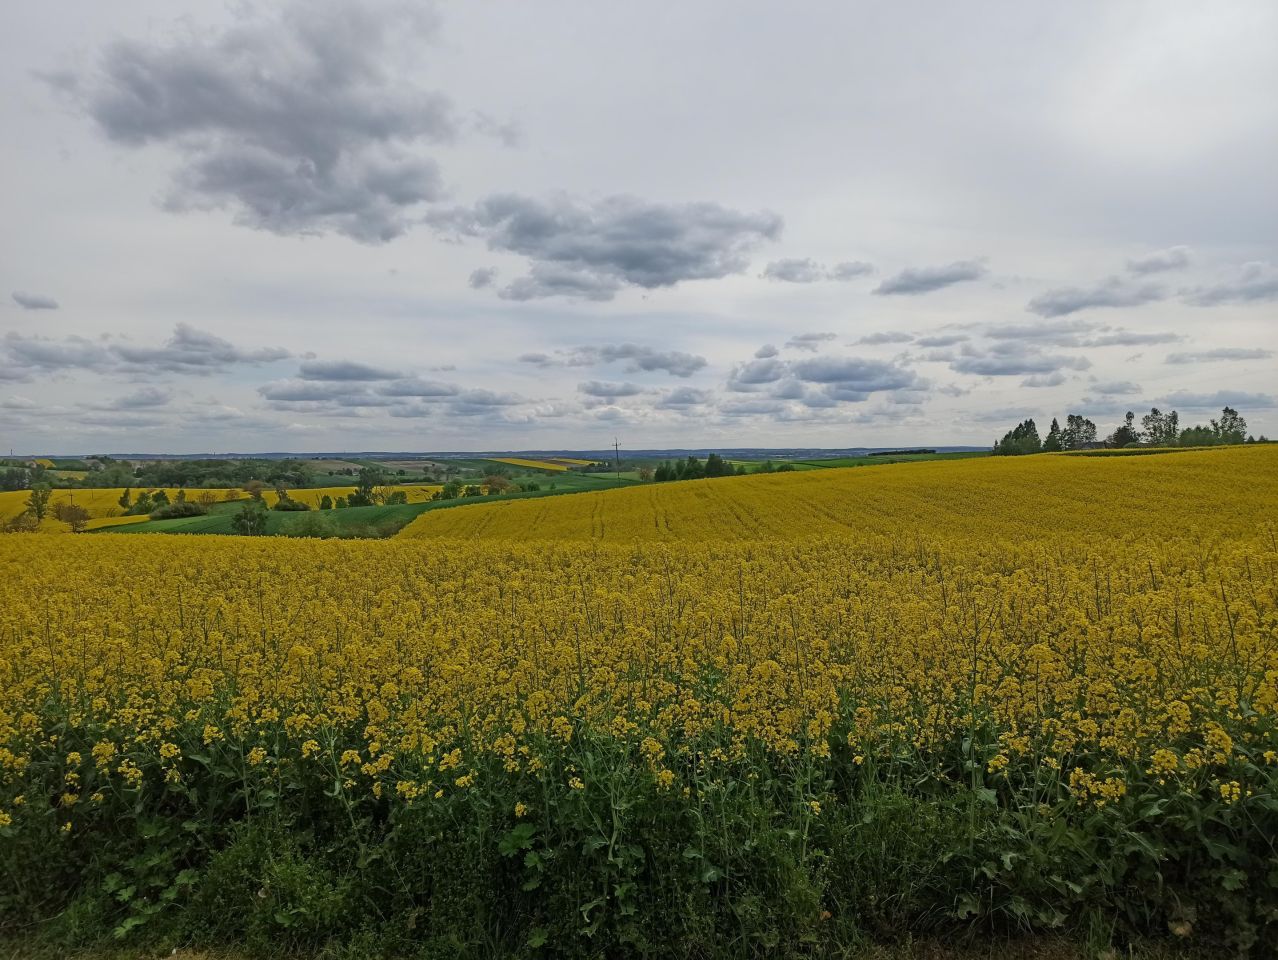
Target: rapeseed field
(750,716)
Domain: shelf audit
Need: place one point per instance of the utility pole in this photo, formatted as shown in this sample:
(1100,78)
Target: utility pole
(616,462)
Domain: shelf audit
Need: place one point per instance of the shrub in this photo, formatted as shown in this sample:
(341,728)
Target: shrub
(180,508)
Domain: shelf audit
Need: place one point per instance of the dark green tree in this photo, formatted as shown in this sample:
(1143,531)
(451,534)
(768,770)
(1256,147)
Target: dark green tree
(1161,429)
(1021,439)
(250,521)
(38,501)
(1230,428)
(1052,442)
(716,466)
(1126,435)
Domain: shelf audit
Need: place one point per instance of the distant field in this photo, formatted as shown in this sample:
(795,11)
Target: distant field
(104,505)
(901,500)
(868,461)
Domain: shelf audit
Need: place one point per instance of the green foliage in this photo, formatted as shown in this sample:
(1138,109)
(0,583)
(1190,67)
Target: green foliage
(180,508)
(250,521)
(762,855)
(1021,439)
(38,501)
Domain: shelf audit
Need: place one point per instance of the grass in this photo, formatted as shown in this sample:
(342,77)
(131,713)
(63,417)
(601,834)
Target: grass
(868,461)
(364,522)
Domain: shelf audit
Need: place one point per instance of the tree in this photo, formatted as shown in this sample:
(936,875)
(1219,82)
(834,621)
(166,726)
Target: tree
(254,489)
(125,499)
(1161,429)
(396,498)
(326,502)
(73,515)
(251,519)
(497,483)
(1230,428)
(1052,442)
(716,466)
(38,501)
(1079,433)
(1126,435)
(1021,439)
(365,486)
(14,478)
(691,469)
(160,498)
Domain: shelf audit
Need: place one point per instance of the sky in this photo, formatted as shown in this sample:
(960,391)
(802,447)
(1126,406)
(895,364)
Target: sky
(381,225)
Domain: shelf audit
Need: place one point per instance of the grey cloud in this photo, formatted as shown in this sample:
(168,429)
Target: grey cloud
(550,280)
(294,121)
(809,341)
(194,351)
(941,340)
(142,398)
(794,271)
(1254,282)
(604,388)
(809,271)
(344,370)
(1013,358)
(1126,338)
(1223,353)
(850,270)
(765,351)
(304,391)
(637,359)
(751,408)
(1111,292)
(473,403)
(887,337)
(1173,258)
(34,301)
(416,387)
(1064,333)
(592,250)
(684,397)
(483,277)
(854,375)
(1117,388)
(755,372)
(1214,401)
(46,354)
(1054,379)
(915,280)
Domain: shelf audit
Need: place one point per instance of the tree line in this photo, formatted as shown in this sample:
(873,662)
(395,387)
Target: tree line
(1157,429)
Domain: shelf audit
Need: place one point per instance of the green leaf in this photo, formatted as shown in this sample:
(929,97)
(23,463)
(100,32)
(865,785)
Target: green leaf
(519,838)
(537,938)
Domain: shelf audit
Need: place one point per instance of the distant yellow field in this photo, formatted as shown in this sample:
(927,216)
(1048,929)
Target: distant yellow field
(535,464)
(999,497)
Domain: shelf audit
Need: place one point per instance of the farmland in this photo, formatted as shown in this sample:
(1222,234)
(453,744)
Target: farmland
(873,700)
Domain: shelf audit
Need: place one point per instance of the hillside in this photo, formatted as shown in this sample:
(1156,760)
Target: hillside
(1004,497)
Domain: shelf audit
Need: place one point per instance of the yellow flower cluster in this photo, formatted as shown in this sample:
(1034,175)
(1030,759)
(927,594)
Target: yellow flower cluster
(1113,617)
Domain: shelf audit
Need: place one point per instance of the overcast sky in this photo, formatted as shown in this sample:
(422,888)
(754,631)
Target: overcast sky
(378,225)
